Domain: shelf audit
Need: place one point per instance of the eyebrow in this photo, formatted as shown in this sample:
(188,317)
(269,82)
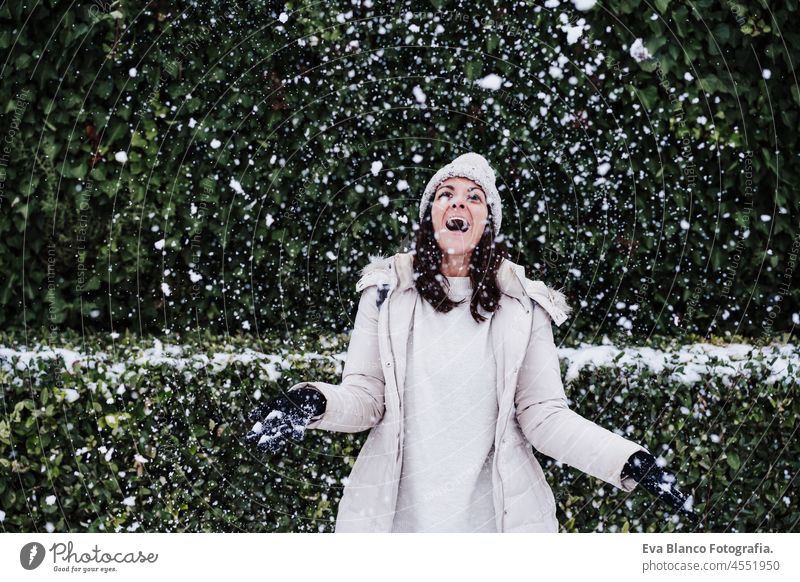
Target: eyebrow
(468,189)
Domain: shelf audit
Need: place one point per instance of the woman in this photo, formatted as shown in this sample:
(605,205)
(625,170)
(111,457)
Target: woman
(453,368)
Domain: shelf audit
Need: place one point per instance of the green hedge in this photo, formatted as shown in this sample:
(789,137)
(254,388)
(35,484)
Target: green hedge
(147,436)
(272,146)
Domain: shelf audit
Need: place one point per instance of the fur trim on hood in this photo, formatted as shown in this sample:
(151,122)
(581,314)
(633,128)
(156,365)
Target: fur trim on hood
(379,272)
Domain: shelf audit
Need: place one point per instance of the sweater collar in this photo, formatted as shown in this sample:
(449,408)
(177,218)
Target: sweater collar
(511,281)
(509,276)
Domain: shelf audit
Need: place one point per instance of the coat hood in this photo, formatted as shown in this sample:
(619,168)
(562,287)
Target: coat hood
(397,271)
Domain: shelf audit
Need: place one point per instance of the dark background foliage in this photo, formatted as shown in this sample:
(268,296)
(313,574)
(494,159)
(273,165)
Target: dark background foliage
(272,153)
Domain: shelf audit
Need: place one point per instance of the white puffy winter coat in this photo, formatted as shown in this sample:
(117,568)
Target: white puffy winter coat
(532,404)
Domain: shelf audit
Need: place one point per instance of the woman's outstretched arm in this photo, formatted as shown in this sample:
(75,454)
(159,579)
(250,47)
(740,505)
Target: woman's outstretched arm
(357,404)
(552,427)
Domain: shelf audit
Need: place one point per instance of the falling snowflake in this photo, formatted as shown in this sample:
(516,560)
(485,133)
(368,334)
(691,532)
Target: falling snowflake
(639,52)
(237,187)
(491,82)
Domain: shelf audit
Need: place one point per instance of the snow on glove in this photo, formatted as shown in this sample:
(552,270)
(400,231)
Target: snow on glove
(284,417)
(643,468)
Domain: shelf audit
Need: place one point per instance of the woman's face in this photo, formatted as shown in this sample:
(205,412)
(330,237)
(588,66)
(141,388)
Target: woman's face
(453,199)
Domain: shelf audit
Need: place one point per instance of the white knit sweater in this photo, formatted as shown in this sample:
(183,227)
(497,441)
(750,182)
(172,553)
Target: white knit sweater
(450,408)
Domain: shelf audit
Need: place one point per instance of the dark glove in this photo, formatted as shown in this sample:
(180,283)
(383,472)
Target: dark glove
(284,416)
(642,467)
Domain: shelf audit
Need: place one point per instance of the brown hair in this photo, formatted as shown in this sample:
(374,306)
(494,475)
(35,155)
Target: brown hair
(485,261)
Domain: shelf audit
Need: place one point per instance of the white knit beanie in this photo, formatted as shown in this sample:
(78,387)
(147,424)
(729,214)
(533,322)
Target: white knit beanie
(476,168)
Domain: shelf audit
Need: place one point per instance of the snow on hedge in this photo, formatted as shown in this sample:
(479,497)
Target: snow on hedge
(690,362)
(687,363)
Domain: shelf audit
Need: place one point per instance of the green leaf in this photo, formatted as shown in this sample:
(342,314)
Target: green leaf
(116,131)
(795,94)
(662,5)
(473,68)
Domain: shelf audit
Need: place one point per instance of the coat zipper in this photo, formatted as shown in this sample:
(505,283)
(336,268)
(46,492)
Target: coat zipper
(396,385)
(505,428)
(387,301)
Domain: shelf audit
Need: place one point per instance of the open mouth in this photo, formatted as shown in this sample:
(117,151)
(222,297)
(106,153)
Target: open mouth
(457,224)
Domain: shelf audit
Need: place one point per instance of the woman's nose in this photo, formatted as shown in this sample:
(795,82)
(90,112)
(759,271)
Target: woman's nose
(455,203)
